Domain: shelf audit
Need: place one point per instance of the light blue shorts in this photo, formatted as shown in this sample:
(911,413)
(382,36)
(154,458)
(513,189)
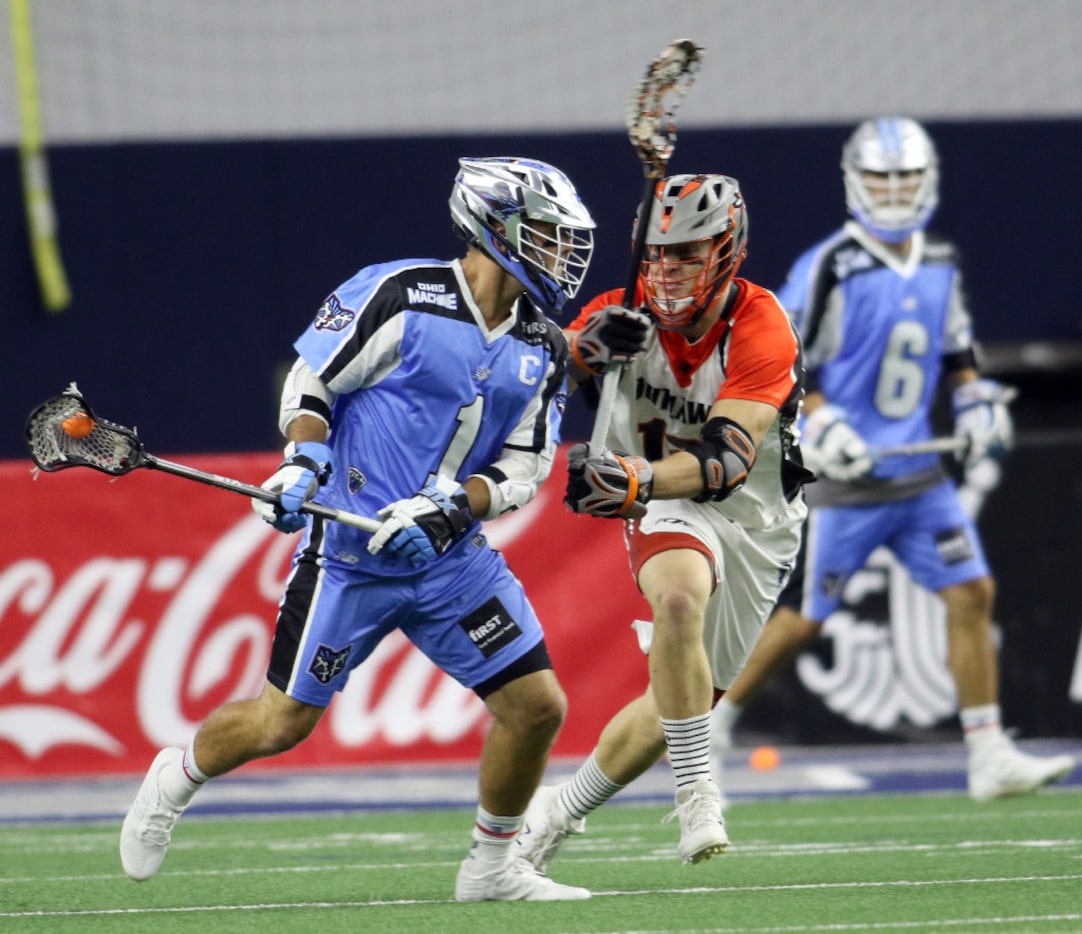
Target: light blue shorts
(931,535)
(465,611)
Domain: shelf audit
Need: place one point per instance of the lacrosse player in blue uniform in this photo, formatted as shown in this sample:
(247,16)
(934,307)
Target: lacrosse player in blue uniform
(881,309)
(429,394)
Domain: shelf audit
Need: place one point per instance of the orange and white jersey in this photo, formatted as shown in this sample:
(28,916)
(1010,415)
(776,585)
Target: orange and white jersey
(666,394)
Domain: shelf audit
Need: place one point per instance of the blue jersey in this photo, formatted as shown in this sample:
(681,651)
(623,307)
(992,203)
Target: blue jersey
(424,387)
(878,332)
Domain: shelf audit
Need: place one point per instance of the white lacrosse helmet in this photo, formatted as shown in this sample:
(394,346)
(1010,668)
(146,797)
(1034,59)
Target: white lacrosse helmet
(497,205)
(891,173)
(695,241)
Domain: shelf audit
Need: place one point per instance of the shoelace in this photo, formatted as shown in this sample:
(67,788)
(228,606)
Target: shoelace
(158,821)
(691,813)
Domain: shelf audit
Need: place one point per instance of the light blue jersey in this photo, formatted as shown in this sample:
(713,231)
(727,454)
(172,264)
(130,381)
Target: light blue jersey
(423,388)
(878,333)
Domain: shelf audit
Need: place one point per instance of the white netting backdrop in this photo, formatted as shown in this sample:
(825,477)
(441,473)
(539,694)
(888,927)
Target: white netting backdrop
(189,69)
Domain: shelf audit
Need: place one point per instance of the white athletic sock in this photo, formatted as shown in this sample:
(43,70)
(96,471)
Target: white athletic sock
(726,713)
(588,789)
(981,725)
(492,839)
(689,748)
(181,784)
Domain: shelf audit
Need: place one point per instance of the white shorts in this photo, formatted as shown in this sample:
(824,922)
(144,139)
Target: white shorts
(750,570)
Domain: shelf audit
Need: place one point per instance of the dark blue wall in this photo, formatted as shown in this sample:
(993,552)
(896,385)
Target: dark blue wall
(195,265)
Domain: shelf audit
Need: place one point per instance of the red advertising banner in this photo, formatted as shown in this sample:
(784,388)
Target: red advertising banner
(131,607)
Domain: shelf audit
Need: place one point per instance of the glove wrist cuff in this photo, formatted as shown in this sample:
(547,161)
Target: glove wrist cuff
(576,355)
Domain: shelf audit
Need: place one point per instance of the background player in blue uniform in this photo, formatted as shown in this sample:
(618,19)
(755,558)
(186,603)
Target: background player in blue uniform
(428,393)
(882,312)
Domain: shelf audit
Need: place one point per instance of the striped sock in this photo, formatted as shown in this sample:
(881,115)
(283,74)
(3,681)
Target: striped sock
(588,789)
(689,748)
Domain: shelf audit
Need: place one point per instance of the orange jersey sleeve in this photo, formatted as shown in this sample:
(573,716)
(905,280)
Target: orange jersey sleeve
(764,351)
(611,297)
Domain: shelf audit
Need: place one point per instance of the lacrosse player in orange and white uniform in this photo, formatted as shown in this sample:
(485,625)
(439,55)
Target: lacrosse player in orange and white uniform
(708,478)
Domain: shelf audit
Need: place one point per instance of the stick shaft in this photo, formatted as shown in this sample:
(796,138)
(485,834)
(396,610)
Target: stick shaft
(932,446)
(610,382)
(257,492)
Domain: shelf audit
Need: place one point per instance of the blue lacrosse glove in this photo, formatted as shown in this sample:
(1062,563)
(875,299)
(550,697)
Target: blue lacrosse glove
(424,526)
(305,469)
(982,419)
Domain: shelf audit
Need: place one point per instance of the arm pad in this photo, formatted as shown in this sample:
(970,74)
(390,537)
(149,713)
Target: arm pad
(303,393)
(726,453)
(515,479)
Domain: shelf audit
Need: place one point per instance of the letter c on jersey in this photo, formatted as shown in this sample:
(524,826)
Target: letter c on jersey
(527,366)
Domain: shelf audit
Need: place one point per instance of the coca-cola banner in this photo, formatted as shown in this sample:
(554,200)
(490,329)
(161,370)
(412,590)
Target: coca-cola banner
(131,607)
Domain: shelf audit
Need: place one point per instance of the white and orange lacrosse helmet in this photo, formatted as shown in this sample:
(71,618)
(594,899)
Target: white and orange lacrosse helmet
(695,242)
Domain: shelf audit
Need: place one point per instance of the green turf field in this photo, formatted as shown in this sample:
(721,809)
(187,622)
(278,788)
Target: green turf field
(847,863)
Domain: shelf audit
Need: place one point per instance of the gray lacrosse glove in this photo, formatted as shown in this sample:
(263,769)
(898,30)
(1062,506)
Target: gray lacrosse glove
(831,446)
(613,335)
(424,526)
(610,485)
(305,469)
(982,419)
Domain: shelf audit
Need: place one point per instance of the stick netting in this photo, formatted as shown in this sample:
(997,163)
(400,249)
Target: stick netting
(108,447)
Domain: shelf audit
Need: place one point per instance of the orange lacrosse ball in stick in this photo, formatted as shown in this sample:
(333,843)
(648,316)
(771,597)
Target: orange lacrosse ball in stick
(78,425)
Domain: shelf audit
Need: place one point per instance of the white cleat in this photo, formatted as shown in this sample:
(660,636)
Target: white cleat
(1001,770)
(545,828)
(144,838)
(702,828)
(515,881)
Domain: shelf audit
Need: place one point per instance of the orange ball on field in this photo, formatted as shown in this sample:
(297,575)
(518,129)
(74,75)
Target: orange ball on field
(78,425)
(764,758)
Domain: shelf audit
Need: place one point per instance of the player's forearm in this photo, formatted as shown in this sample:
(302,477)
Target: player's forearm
(306,428)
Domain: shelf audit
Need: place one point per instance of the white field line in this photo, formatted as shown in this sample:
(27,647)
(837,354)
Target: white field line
(693,890)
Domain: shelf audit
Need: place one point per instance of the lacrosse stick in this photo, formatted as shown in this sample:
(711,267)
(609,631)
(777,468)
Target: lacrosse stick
(932,446)
(651,127)
(64,432)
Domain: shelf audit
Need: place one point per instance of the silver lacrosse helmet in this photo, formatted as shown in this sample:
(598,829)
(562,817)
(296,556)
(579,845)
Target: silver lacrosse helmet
(695,241)
(527,216)
(891,172)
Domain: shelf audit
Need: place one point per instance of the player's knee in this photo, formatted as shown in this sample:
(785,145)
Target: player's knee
(535,704)
(546,712)
(675,610)
(971,600)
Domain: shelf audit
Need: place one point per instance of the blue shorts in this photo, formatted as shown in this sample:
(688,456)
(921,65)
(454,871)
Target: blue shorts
(465,611)
(931,535)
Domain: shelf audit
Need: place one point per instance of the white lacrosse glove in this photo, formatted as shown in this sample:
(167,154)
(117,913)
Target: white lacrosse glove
(610,485)
(831,446)
(305,469)
(424,526)
(612,335)
(982,419)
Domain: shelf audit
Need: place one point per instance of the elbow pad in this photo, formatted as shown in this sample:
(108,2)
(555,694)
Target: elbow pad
(303,393)
(726,453)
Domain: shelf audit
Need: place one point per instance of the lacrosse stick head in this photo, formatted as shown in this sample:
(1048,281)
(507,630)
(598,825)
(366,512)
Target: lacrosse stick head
(652,104)
(64,432)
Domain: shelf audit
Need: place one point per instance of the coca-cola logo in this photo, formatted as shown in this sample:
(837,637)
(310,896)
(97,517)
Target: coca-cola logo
(172,637)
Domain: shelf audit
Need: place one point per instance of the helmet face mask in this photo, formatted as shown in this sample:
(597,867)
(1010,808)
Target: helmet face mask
(526,216)
(891,172)
(695,242)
